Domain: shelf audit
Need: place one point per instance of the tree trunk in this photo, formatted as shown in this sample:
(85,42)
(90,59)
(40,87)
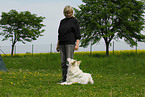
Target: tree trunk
(107,49)
(12,51)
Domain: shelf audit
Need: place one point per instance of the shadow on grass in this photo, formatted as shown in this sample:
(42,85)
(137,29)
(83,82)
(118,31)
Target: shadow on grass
(98,55)
(116,55)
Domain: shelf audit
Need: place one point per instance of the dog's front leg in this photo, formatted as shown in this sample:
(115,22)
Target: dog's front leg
(66,83)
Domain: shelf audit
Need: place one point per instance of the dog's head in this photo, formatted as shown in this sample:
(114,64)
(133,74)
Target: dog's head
(73,62)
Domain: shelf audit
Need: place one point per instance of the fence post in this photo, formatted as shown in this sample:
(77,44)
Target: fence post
(113,47)
(91,48)
(51,48)
(136,47)
(15,49)
(32,49)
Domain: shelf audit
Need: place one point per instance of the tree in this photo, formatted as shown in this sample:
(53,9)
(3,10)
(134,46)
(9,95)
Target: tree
(111,19)
(20,27)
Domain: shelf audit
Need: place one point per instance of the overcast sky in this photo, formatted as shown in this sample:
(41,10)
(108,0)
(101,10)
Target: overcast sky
(51,9)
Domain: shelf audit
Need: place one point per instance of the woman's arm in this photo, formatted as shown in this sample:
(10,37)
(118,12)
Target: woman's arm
(77,44)
(57,48)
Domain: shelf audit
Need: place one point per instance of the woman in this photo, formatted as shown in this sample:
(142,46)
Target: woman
(68,38)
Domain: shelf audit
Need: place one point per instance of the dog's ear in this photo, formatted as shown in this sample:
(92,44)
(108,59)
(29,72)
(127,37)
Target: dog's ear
(68,59)
(78,63)
(73,63)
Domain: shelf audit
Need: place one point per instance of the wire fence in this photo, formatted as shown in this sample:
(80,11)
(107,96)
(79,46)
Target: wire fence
(48,48)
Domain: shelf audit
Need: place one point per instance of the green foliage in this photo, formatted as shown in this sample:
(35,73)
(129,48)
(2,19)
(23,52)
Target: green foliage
(21,27)
(111,19)
(118,75)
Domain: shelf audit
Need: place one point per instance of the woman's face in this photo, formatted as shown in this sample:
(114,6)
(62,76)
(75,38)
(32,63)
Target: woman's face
(68,14)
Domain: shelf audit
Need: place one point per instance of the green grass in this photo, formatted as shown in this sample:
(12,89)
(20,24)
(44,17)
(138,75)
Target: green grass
(118,75)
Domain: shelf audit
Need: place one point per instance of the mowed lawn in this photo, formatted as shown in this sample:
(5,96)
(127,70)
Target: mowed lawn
(121,74)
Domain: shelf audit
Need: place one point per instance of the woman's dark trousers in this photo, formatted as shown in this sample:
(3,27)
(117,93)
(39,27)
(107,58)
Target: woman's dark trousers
(66,51)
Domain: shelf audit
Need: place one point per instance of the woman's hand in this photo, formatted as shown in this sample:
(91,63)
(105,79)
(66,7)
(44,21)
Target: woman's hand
(57,49)
(76,47)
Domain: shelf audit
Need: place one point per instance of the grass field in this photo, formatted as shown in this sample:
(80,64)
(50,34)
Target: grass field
(121,74)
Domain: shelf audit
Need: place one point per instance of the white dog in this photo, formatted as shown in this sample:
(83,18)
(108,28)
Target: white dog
(75,75)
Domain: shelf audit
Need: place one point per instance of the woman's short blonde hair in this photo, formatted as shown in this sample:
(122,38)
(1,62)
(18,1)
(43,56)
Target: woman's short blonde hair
(68,9)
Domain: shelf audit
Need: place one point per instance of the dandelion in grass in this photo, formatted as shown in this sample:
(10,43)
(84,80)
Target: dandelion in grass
(30,72)
(12,83)
(59,94)
(35,75)
(24,77)
(20,70)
